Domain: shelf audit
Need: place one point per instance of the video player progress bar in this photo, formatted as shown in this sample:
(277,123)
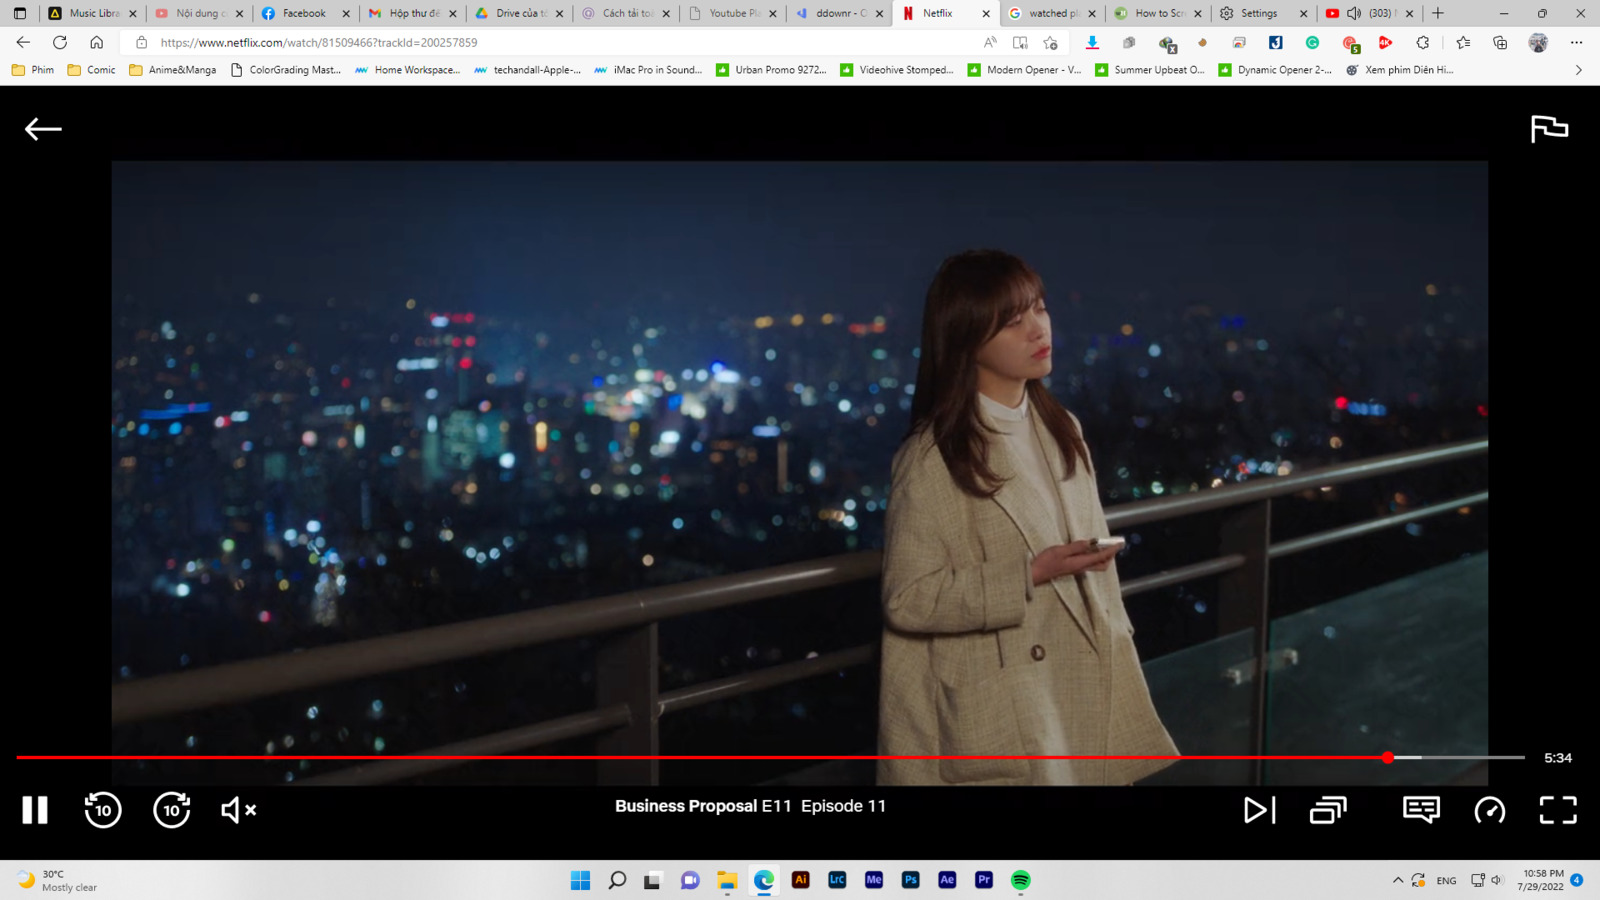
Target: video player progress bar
(1386,758)
(1461,758)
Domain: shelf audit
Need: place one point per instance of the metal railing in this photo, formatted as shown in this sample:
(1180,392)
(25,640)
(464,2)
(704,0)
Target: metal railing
(630,703)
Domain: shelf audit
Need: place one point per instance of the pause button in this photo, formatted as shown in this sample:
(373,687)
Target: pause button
(35,809)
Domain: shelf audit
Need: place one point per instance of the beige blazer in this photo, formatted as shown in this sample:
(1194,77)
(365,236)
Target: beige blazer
(970,665)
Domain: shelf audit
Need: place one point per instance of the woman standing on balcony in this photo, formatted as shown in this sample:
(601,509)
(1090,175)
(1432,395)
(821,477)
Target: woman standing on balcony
(1005,632)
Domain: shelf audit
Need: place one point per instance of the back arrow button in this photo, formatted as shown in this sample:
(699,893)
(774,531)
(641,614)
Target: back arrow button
(35,126)
(21,41)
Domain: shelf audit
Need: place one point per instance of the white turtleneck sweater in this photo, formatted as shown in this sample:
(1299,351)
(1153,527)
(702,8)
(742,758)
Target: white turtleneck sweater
(1027,447)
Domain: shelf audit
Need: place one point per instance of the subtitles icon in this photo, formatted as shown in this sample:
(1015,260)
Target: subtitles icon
(1424,808)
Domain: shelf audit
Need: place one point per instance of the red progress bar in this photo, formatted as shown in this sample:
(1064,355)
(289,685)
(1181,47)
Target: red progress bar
(1385,757)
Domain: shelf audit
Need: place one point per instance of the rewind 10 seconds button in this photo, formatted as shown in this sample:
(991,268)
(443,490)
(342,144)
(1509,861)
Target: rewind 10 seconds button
(1490,809)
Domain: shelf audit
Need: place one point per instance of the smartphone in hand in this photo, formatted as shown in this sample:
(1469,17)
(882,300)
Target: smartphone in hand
(1107,543)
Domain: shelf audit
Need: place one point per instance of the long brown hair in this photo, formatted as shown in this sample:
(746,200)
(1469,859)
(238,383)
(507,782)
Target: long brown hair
(970,299)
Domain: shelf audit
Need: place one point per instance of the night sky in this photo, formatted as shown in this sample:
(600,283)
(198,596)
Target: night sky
(668,240)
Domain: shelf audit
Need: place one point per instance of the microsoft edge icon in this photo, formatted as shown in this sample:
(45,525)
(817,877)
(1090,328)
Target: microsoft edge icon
(763,880)
(267,13)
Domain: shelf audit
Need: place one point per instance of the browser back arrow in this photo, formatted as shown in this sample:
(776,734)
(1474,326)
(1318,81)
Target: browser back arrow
(35,126)
(21,41)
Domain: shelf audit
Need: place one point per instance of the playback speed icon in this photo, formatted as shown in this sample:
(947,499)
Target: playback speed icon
(1490,809)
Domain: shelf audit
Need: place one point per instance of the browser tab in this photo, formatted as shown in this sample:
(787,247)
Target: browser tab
(535,15)
(943,16)
(1033,13)
(845,14)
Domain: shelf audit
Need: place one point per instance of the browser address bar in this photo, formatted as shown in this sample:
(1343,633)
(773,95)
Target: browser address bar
(732,42)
